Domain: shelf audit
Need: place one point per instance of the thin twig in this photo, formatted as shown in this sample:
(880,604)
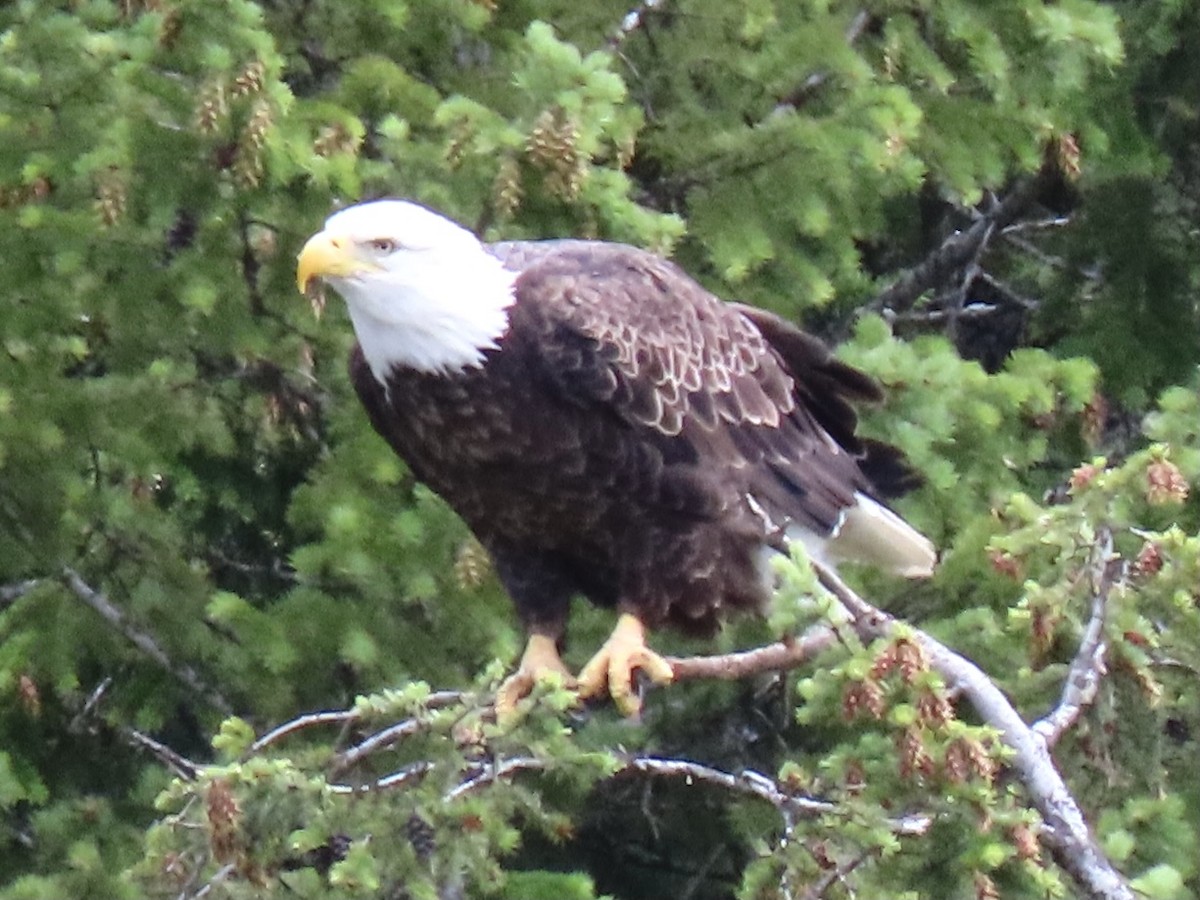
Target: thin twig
(143,641)
(224,872)
(179,764)
(496,771)
(398,779)
(1036,225)
(90,705)
(816,80)
(817,890)
(389,736)
(752,784)
(755,784)
(300,723)
(11,593)
(1066,834)
(380,740)
(1088,668)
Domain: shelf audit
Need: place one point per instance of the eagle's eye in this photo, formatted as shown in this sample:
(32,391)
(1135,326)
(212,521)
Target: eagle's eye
(382,245)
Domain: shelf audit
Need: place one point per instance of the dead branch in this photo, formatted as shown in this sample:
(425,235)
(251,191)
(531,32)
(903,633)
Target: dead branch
(88,710)
(1066,834)
(143,641)
(957,251)
(176,762)
(1088,668)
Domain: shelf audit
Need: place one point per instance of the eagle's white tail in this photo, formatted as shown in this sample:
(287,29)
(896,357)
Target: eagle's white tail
(871,533)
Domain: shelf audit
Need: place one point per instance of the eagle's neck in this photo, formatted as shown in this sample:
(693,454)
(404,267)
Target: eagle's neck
(438,314)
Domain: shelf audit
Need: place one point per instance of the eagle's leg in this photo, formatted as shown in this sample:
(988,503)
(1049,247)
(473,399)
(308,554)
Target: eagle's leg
(611,669)
(539,661)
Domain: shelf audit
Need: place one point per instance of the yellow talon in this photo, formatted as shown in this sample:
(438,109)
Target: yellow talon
(611,669)
(539,662)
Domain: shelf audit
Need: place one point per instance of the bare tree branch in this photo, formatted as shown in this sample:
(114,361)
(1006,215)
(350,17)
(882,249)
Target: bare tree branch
(755,784)
(1088,668)
(398,779)
(1066,834)
(143,641)
(88,710)
(177,763)
(300,723)
(11,593)
(788,653)
(958,250)
(393,733)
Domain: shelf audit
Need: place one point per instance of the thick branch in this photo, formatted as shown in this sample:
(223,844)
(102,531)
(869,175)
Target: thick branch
(1088,667)
(1066,835)
(956,251)
(143,641)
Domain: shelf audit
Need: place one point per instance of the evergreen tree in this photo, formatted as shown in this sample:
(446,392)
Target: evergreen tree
(243,653)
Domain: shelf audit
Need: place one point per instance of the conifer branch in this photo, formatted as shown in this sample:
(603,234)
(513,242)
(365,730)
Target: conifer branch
(143,641)
(1088,668)
(1066,832)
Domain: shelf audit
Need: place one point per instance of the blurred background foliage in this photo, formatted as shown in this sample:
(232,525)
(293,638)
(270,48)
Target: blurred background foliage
(196,521)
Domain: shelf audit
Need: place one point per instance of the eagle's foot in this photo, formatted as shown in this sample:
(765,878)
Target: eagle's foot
(611,670)
(539,663)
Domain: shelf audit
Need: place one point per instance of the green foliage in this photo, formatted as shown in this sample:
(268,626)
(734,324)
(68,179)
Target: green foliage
(459,792)
(201,538)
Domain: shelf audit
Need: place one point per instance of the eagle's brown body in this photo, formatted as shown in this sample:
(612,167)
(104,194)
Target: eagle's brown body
(633,438)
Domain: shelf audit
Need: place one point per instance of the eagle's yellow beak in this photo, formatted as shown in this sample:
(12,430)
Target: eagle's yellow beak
(326,254)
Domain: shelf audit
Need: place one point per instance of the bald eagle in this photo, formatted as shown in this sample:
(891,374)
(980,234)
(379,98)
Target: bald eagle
(607,427)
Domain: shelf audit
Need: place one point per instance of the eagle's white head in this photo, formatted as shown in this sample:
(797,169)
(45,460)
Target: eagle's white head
(423,292)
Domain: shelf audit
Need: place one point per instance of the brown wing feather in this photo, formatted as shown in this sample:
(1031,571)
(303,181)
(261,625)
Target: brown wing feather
(756,398)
